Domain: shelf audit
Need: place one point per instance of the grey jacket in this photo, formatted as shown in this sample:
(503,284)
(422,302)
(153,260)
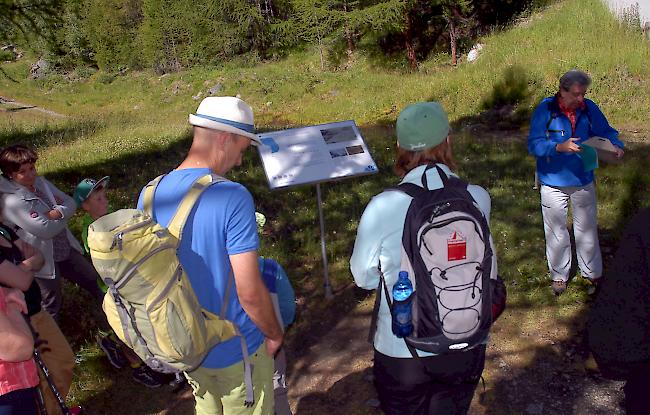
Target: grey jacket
(23,209)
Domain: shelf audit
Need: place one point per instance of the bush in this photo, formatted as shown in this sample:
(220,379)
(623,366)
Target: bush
(7,55)
(112,30)
(105,78)
(511,90)
(84,72)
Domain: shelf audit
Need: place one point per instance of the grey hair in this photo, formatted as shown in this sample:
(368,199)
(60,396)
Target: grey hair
(573,77)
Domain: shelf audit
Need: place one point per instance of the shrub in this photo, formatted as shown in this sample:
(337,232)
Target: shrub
(105,78)
(7,55)
(511,90)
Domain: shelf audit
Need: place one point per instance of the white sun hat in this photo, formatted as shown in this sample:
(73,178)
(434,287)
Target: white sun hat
(229,114)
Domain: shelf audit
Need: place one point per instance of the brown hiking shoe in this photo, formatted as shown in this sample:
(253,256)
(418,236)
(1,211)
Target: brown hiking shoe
(594,285)
(558,287)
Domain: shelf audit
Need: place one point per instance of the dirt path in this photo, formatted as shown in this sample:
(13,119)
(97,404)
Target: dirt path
(535,365)
(335,373)
(9,105)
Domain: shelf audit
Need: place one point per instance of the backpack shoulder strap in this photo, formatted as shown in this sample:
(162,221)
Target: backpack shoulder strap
(414,190)
(447,180)
(553,111)
(375,310)
(177,222)
(410,189)
(588,115)
(248,366)
(441,173)
(149,190)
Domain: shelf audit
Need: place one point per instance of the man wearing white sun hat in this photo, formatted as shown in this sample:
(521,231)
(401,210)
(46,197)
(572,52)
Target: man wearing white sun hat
(220,237)
(227,114)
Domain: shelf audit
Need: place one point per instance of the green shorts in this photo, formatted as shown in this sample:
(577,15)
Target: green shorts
(222,391)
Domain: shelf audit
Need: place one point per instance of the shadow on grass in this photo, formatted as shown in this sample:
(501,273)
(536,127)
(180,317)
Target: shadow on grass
(119,393)
(48,135)
(508,106)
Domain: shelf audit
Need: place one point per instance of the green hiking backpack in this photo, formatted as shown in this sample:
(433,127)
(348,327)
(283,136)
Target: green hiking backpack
(150,303)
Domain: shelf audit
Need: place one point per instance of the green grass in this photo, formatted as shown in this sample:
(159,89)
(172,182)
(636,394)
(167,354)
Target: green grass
(135,128)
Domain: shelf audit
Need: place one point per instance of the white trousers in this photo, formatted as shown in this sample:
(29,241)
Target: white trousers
(555,204)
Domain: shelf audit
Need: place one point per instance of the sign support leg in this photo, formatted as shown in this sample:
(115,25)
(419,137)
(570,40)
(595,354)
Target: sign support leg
(326,278)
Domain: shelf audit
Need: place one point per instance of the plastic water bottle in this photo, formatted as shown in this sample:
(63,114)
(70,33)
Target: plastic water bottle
(402,317)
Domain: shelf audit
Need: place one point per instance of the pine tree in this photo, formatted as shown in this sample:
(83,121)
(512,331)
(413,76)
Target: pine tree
(313,21)
(112,30)
(362,18)
(27,17)
(455,14)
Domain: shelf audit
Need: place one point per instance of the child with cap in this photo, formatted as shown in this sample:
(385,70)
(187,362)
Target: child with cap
(90,195)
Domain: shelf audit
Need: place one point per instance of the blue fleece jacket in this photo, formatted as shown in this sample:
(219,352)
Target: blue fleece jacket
(549,127)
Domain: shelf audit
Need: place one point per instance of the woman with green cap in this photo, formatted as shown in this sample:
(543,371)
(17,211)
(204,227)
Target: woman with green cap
(429,384)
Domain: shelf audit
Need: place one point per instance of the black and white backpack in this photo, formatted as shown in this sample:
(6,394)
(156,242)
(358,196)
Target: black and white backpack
(446,252)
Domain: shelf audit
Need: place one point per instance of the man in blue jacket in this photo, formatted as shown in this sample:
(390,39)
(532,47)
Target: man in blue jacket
(559,126)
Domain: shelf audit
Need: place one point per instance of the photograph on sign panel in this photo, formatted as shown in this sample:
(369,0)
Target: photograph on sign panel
(354,150)
(338,135)
(339,152)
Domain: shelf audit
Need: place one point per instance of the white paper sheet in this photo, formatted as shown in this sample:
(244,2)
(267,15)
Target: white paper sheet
(600,143)
(605,149)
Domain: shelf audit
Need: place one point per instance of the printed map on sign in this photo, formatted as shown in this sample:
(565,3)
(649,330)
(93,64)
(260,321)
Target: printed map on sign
(314,154)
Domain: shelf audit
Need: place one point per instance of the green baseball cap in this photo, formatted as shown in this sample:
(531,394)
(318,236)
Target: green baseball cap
(86,187)
(422,126)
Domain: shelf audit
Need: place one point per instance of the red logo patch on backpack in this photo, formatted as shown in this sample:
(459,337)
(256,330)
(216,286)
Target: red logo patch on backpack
(456,247)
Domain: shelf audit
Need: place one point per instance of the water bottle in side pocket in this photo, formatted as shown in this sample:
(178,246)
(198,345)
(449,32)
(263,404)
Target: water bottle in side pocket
(402,303)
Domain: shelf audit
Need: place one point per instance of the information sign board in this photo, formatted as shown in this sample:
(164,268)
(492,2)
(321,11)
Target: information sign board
(314,154)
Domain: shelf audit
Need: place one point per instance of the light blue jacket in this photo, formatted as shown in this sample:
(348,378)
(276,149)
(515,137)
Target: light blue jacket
(379,240)
(549,127)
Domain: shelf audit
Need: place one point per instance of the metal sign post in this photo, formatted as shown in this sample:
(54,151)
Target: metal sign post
(326,278)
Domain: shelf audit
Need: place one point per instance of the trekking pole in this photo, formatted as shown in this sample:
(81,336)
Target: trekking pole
(40,401)
(46,372)
(48,378)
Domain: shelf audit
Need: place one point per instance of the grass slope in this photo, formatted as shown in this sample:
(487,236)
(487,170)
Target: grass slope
(135,127)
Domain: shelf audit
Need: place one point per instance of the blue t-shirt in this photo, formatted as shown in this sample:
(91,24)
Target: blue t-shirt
(222,223)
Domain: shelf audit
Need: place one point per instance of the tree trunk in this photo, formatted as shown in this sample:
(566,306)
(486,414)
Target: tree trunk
(452,41)
(348,32)
(320,50)
(348,37)
(269,10)
(408,43)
